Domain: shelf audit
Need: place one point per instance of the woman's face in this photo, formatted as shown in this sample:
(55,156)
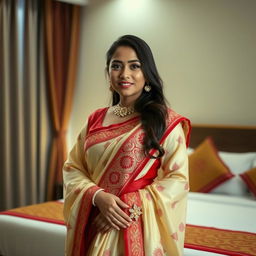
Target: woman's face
(125,74)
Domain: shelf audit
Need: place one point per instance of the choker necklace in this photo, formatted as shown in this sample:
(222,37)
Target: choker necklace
(122,111)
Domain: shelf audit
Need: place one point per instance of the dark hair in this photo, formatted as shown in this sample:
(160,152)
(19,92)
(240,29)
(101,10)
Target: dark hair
(151,105)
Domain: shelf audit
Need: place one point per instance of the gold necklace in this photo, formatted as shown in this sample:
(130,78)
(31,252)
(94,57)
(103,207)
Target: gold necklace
(122,111)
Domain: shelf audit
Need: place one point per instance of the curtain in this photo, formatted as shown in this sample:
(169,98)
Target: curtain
(62,36)
(24,124)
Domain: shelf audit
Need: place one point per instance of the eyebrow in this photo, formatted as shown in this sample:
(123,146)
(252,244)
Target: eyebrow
(129,61)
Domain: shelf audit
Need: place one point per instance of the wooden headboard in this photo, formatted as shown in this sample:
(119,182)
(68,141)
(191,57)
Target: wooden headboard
(226,138)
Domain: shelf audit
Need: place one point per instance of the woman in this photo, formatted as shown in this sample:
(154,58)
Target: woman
(126,178)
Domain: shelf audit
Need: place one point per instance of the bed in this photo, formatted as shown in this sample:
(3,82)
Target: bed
(220,219)
(226,202)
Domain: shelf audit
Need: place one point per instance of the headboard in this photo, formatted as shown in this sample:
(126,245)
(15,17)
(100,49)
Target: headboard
(226,138)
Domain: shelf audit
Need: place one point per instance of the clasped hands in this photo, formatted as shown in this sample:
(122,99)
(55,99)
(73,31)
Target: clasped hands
(111,213)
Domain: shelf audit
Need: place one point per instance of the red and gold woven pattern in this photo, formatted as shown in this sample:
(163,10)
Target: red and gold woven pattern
(48,212)
(228,242)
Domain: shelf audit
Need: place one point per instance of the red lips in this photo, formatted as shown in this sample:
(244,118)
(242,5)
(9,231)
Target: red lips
(125,84)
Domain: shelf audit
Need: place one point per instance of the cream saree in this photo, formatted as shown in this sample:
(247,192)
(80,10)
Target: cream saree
(112,158)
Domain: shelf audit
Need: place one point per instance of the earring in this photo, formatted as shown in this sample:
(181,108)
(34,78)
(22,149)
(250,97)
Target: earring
(147,88)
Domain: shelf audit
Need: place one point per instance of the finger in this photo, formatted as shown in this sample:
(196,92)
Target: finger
(123,215)
(98,226)
(121,203)
(99,223)
(102,221)
(116,218)
(97,219)
(106,229)
(103,227)
(112,223)
(119,220)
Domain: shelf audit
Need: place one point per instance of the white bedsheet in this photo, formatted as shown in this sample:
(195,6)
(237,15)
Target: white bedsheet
(227,212)
(23,237)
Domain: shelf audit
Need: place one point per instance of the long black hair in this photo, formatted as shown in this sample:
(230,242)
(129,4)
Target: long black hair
(151,105)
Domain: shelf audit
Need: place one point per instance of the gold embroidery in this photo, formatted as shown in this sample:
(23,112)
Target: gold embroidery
(134,232)
(105,135)
(127,160)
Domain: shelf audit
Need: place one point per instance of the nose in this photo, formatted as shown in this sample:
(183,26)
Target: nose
(125,73)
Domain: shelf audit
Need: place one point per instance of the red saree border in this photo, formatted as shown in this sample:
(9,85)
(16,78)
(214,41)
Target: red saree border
(211,248)
(107,134)
(172,123)
(113,180)
(147,179)
(82,219)
(95,122)
(175,119)
(97,133)
(133,235)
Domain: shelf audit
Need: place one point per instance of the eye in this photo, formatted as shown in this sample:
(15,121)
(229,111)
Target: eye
(116,66)
(135,66)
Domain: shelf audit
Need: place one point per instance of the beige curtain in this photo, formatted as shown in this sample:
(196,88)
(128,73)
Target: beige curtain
(24,136)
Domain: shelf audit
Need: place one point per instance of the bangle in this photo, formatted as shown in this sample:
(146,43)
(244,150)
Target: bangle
(93,203)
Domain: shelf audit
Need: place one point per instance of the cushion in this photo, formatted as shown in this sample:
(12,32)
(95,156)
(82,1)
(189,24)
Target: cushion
(249,177)
(206,169)
(238,163)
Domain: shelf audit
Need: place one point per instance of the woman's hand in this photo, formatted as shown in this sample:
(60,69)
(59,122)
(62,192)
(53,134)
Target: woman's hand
(110,207)
(101,224)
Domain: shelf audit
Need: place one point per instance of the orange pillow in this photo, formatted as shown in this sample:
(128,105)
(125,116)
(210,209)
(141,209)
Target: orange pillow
(249,177)
(206,169)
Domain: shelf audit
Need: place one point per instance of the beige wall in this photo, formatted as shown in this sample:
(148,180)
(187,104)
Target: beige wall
(205,51)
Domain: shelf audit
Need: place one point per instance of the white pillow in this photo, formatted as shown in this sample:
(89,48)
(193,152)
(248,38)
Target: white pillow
(254,163)
(237,163)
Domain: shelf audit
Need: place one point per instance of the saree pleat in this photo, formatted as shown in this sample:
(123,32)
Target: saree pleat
(113,158)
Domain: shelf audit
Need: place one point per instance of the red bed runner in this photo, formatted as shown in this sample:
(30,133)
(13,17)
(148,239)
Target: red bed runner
(229,242)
